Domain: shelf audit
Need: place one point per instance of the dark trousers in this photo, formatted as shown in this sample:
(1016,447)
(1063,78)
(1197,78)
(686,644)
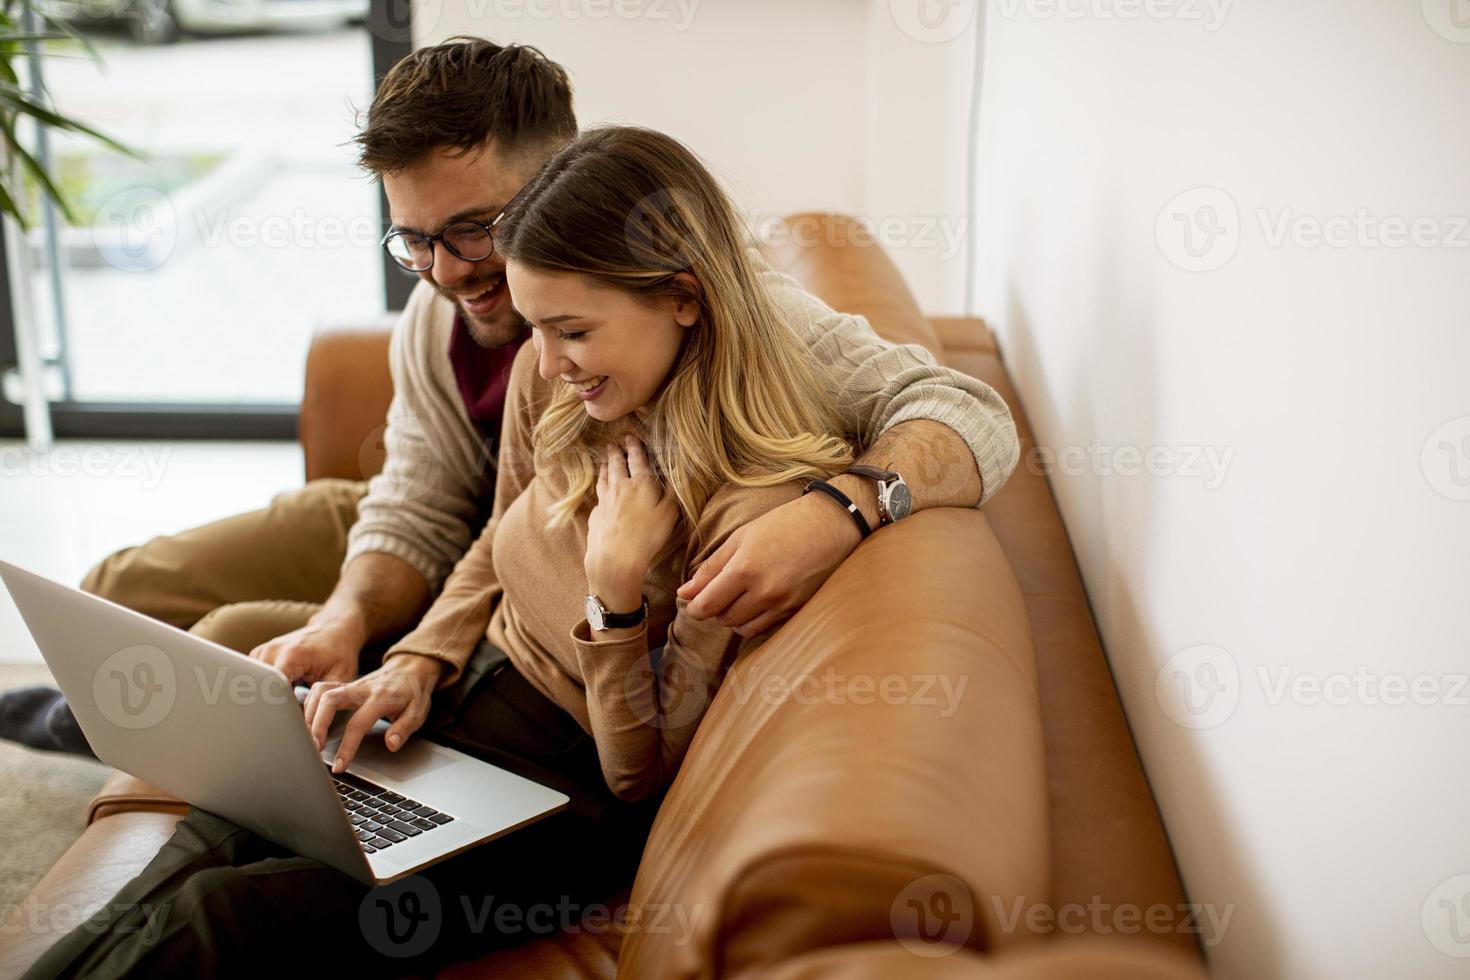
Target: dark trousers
(219,901)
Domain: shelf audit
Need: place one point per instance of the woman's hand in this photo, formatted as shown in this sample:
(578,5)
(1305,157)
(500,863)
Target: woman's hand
(630,525)
(400,690)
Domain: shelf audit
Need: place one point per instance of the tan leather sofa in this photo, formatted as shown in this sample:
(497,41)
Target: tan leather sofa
(822,824)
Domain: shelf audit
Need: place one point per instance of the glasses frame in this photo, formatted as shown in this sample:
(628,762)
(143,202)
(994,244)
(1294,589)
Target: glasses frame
(488,227)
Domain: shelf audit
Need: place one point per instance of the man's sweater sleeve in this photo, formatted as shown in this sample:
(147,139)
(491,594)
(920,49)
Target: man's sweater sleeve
(425,505)
(877,384)
(457,621)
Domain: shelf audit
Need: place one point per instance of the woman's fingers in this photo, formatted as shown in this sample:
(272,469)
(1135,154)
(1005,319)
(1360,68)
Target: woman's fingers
(617,465)
(637,457)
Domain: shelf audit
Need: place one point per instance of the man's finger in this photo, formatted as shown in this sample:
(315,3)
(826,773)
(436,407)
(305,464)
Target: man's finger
(362,719)
(295,667)
(744,609)
(717,596)
(706,572)
(763,623)
(340,670)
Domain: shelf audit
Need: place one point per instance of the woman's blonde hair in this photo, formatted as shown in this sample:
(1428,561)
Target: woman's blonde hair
(631,208)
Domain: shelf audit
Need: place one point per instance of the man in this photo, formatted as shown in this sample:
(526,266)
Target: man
(337,568)
(454,132)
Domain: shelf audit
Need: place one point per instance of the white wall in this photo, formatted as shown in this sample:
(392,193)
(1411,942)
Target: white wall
(1337,544)
(811,105)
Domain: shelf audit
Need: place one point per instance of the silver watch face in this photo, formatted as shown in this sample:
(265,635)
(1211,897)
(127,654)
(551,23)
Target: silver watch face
(593,610)
(898,502)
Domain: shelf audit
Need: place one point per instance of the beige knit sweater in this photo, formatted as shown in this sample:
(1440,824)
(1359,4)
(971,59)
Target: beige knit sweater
(433,493)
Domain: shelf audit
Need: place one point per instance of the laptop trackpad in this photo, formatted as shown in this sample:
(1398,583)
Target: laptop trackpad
(417,756)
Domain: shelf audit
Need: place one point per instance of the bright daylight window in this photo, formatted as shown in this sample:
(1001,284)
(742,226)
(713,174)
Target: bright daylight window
(197,274)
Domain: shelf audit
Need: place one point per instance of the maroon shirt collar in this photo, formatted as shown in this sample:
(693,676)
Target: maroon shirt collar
(483,376)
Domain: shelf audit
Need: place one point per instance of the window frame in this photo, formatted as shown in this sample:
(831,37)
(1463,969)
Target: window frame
(72,419)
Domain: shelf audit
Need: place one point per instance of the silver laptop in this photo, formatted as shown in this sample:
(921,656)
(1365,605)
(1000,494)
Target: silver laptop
(227,734)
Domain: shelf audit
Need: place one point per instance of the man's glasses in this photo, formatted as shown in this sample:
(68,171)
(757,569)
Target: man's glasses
(467,240)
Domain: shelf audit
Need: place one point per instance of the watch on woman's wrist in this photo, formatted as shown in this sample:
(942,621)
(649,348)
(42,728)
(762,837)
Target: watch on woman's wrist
(600,619)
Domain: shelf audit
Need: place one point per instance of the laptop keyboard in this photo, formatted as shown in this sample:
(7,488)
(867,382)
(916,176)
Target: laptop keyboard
(381,818)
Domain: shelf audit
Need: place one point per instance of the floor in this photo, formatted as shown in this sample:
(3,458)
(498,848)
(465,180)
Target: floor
(43,801)
(60,512)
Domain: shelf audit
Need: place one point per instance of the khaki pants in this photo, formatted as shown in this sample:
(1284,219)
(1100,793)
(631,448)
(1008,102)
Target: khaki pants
(245,579)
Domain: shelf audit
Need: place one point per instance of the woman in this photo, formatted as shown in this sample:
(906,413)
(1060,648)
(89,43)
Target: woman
(660,405)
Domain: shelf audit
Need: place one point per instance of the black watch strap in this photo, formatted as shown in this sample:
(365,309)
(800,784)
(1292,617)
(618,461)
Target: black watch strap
(627,620)
(844,500)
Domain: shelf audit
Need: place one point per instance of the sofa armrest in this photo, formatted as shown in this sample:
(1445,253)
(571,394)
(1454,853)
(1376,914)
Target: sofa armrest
(890,732)
(126,793)
(344,404)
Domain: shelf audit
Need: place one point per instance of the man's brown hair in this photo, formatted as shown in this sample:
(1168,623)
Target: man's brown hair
(462,94)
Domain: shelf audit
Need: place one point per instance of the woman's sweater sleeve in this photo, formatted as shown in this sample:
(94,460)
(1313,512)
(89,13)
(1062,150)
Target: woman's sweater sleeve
(456,622)
(645,710)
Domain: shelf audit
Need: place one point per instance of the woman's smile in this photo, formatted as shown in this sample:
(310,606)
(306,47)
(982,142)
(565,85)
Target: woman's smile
(591,388)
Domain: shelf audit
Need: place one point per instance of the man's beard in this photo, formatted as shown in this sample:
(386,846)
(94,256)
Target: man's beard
(504,327)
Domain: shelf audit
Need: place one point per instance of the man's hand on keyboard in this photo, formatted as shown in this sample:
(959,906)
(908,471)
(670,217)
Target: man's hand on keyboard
(401,691)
